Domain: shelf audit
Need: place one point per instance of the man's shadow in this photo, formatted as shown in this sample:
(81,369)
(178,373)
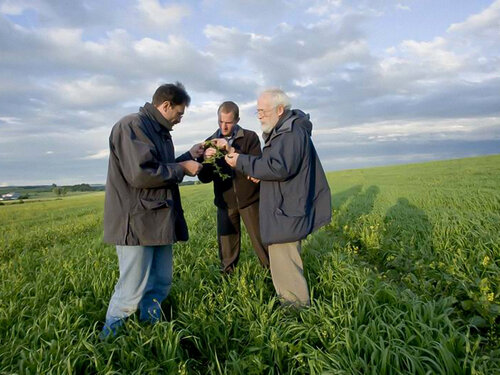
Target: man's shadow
(348,206)
(339,199)
(407,240)
(361,204)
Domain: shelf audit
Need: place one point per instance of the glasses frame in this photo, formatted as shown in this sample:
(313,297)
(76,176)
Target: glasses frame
(263,112)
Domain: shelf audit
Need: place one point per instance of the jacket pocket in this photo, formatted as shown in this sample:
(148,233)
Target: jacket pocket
(290,204)
(147,204)
(153,223)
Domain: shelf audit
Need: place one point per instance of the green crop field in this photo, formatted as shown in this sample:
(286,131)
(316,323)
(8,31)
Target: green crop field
(405,280)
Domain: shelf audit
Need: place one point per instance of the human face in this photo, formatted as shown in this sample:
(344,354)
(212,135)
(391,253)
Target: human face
(173,112)
(267,113)
(227,123)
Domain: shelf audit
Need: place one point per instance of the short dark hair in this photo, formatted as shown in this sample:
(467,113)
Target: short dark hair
(230,107)
(169,92)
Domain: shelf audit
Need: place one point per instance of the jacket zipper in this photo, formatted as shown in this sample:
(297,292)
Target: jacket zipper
(235,192)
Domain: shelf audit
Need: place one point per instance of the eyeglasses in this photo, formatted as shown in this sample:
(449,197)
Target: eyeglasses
(263,112)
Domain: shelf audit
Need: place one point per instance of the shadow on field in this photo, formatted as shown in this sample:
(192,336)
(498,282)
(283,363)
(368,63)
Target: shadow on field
(348,207)
(339,199)
(360,204)
(400,246)
(407,238)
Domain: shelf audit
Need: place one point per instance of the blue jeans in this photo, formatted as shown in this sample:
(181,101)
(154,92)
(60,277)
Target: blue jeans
(145,281)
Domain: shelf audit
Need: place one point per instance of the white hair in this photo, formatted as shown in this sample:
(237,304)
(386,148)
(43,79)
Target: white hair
(278,97)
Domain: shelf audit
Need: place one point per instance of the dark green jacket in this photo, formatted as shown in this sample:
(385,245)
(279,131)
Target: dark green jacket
(295,197)
(237,191)
(143,204)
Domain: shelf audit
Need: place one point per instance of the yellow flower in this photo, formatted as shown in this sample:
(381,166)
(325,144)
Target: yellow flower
(491,296)
(486,260)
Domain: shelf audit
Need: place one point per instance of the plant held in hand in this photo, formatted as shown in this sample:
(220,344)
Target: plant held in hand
(219,154)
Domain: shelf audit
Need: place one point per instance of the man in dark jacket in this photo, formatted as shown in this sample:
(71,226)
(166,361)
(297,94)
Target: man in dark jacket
(143,215)
(295,197)
(235,196)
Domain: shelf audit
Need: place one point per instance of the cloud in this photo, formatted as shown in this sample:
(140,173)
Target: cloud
(93,91)
(101,154)
(10,120)
(485,23)
(69,71)
(322,8)
(163,15)
(13,7)
(403,7)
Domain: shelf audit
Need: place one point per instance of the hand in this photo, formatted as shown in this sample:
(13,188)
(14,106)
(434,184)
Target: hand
(209,152)
(191,167)
(221,143)
(231,159)
(253,179)
(196,151)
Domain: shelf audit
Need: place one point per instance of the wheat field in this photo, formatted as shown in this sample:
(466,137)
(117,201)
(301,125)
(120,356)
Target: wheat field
(405,280)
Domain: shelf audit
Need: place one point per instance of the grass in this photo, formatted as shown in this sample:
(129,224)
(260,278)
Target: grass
(404,280)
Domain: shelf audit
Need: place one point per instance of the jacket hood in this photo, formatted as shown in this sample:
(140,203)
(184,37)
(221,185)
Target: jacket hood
(302,120)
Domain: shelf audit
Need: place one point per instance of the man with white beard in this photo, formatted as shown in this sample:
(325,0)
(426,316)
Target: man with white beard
(295,197)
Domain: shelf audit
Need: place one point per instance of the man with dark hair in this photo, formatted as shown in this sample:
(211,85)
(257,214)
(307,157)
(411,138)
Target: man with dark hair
(175,94)
(294,194)
(143,215)
(235,197)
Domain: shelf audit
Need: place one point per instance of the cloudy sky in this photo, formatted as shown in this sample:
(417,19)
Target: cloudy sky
(385,82)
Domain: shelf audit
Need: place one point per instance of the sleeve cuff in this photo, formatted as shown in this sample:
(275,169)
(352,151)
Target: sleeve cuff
(241,163)
(179,172)
(183,157)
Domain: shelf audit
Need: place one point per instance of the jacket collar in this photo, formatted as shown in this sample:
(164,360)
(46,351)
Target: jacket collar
(237,133)
(281,127)
(159,122)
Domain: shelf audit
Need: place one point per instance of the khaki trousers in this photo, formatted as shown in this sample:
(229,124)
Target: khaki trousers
(229,235)
(287,272)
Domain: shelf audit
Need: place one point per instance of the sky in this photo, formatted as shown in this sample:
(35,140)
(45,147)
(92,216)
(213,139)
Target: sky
(385,82)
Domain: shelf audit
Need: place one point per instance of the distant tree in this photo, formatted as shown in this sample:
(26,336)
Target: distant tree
(59,191)
(80,187)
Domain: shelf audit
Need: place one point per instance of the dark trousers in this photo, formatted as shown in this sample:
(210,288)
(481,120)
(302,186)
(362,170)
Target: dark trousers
(229,235)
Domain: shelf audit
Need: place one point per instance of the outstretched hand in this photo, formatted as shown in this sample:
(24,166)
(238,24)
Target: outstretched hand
(197,150)
(191,167)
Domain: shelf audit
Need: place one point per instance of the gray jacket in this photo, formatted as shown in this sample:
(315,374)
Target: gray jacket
(295,197)
(143,204)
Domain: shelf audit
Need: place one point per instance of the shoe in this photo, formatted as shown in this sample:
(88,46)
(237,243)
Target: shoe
(152,315)
(110,330)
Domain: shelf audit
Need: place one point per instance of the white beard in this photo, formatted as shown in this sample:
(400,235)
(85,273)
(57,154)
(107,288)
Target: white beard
(266,128)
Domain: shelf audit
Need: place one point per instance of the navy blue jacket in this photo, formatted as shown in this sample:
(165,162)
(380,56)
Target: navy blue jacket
(295,198)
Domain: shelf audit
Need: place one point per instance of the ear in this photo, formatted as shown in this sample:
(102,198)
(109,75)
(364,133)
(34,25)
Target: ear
(166,105)
(280,110)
